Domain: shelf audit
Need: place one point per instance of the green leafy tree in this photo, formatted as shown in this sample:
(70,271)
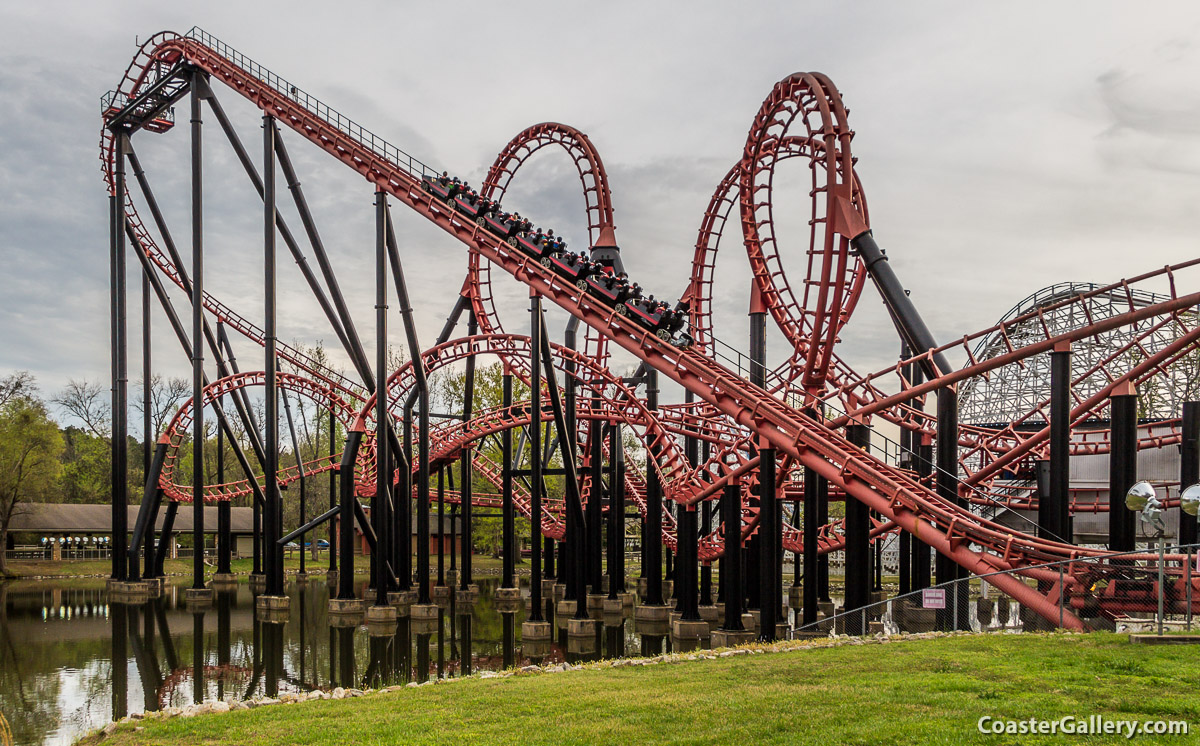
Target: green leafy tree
(30,445)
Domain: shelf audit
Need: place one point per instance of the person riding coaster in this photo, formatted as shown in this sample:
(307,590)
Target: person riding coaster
(655,315)
(610,288)
(534,244)
(441,187)
(572,266)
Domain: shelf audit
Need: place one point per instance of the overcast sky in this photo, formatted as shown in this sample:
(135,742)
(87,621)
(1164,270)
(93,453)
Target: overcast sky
(1002,147)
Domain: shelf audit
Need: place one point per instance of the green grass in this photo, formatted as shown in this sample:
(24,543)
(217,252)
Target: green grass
(916,692)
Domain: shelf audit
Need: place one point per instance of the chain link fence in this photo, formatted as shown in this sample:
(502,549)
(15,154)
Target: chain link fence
(1129,592)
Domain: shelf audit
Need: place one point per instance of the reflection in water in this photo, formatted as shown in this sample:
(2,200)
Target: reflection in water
(70,660)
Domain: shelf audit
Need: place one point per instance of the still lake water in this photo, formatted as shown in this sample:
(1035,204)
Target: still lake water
(70,661)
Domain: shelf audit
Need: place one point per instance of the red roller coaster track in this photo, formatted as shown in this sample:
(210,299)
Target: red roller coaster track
(734,416)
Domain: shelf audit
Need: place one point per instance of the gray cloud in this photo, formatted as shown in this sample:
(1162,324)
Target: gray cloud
(992,167)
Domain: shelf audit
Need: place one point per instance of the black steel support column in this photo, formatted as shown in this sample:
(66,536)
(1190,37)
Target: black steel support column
(811,532)
(273,512)
(922,561)
(441,513)
(120,373)
(686,536)
(197,335)
(652,531)
(164,538)
(402,502)
(1189,465)
(148,429)
(907,461)
(345,543)
(706,594)
(379,513)
(1054,513)
(770,567)
(731,581)
(1122,470)
(303,477)
(858,543)
(509,550)
(947,489)
(593,543)
(823,559)
(535,458)
(616,507)
(333,495)
(467,461)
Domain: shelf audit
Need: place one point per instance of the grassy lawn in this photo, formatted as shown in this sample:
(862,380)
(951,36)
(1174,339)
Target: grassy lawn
(918,692)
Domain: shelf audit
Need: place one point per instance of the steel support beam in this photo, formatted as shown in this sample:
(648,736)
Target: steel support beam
(652,533)
(1189,465)
(509,550)
(731,582)
(197,333)
(383,471)
(119,487)
(1122,469)
(1054,515)
(535,456)
(858,544)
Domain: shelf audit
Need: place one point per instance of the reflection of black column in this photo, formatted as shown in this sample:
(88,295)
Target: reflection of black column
(198,656)
(223,637)
(422,668)
(652,530)
(466,659)
(1122,467)
(811,528)
(118,617)
(508,643)
(1189,465)
(403,648)
(345,656)
(441,641)
(614,644)
(770,570)
(731,581)
(858,543)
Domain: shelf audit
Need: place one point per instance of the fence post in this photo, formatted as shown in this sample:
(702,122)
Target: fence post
(1062,592)
(1162,550)
(1188,575)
